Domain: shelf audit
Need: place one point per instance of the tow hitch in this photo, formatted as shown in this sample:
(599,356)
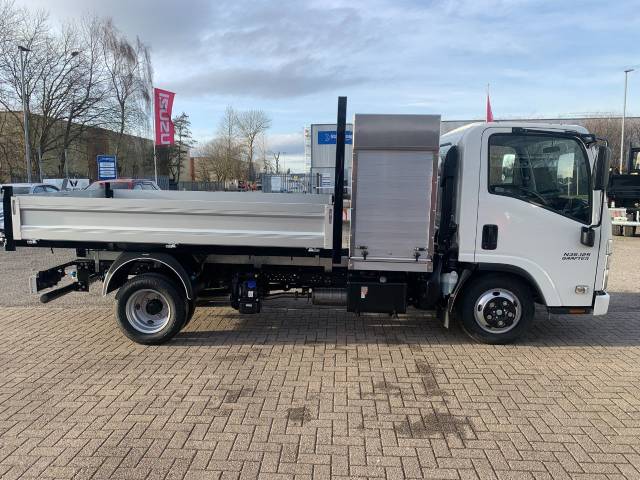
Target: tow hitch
(83,274)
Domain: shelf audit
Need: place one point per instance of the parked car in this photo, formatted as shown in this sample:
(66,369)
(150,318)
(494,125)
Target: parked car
(26,189)
(125,184)
(68,184)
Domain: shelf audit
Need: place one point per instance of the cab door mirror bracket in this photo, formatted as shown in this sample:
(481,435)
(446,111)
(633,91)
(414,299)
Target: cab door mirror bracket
(588,236)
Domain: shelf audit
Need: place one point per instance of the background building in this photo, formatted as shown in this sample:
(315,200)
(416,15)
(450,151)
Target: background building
(320,155)
(78,160)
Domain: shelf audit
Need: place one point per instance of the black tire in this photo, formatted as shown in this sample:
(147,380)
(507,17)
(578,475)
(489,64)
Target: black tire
(150,309)
(498,322)
(191,309)
(190,305)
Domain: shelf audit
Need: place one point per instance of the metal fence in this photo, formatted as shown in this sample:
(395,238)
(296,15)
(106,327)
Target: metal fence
(287,183)
(201,186)
(163,181)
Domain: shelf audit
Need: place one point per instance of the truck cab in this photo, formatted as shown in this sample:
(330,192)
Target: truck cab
(525,196)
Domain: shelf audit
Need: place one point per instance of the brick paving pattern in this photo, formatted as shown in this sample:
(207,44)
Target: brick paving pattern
(314,393)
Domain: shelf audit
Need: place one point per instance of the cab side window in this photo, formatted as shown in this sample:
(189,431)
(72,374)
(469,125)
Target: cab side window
(551,172)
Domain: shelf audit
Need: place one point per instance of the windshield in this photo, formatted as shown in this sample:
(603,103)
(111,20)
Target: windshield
(552,172)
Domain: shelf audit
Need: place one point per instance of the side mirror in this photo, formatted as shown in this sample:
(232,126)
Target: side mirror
(601,169)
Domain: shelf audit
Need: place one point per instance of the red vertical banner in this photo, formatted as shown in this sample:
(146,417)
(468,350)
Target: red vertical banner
(163,104)
(489,111)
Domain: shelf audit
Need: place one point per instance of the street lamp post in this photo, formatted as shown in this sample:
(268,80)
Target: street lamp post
(624,114)
(27,146)
(74,54)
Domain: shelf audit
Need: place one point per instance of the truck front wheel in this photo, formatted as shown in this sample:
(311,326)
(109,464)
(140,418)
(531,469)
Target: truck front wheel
(150,309)
(496,308)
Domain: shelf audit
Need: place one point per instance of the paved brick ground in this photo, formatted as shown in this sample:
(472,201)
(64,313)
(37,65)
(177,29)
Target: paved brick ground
(297,393)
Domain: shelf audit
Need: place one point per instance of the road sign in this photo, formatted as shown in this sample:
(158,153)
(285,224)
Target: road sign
(107,167)
(276,184)
(326,181)
(330,137)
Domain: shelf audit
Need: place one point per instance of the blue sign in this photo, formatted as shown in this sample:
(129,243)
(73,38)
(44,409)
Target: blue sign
(328,137)
(107,167)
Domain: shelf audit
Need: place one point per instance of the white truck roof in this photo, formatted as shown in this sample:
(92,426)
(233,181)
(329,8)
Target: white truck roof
(454,136)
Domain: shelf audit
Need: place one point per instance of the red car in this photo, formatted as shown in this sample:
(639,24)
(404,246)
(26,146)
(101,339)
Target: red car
(125,184)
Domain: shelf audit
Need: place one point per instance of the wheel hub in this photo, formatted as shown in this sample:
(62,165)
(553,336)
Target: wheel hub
(154,306)
(500,312)
(148,311)
(497,310)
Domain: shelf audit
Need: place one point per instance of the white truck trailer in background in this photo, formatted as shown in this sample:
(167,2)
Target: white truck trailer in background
(479,225)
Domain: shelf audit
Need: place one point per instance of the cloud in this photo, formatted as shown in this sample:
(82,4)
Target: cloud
(289,80)
(168,26)
(291,58)
(291,143)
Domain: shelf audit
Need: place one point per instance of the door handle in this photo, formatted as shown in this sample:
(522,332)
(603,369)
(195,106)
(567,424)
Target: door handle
(489,237)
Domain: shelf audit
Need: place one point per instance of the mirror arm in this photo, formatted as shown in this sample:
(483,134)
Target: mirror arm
(587,234)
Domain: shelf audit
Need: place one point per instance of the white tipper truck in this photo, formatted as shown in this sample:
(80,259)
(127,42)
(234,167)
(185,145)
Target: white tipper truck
(479,225)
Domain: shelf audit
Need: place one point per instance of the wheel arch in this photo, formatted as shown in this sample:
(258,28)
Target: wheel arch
(526,277)
(471,272)
(127,262)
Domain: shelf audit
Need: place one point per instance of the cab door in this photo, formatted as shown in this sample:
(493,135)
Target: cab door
(535,195)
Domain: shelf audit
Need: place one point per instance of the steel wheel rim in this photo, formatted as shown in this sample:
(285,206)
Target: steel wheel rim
(148,311)
(498,311)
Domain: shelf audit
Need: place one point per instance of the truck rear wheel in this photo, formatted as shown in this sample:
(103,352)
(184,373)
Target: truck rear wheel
(150,309)
(496,309)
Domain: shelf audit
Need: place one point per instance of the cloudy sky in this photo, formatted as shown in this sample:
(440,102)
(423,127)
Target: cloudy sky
(292,58)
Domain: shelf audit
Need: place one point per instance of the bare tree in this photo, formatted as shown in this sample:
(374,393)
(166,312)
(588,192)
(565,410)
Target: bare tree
(610,128)
(57,82)
(230,166)
(83,75)
(239,142)
(11,151)
(129,76)
(252,124)
(276,161)
(48,77)
(89,88)
(216,164)
(30,31)
(265,155)
(211,164)
(9,20)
